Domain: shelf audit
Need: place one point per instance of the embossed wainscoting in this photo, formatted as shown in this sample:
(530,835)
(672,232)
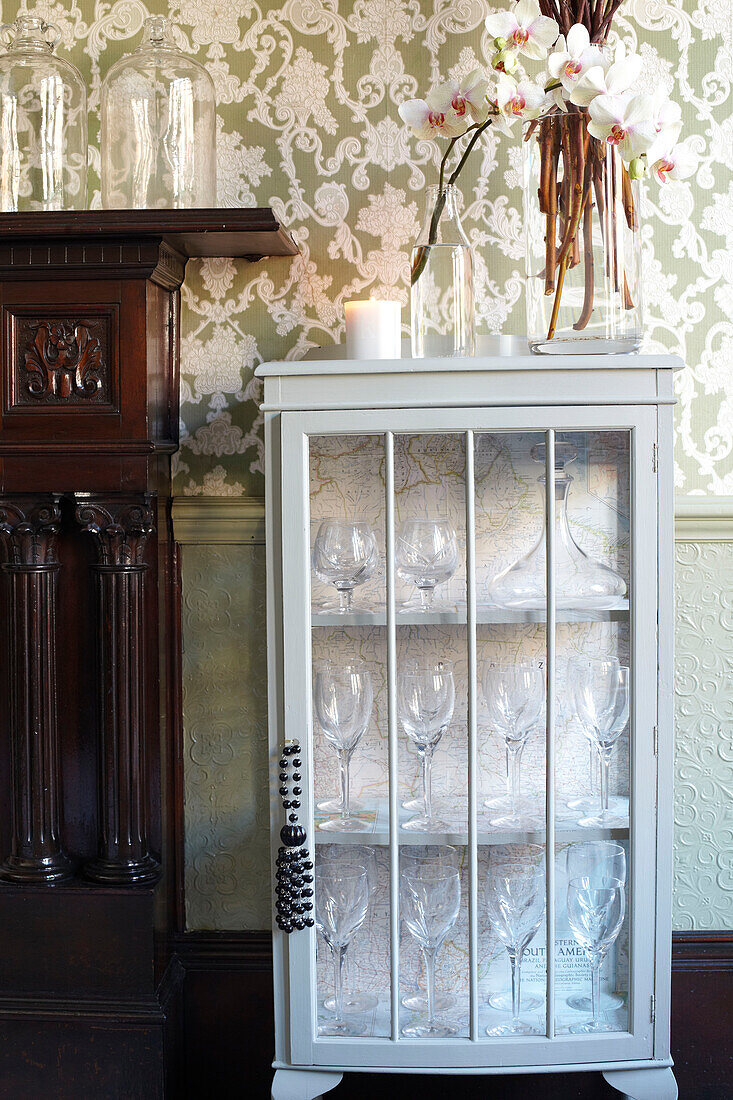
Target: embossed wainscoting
(226,948)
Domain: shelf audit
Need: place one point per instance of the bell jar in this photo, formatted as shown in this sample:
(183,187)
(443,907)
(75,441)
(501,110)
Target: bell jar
(158,132)
(43,121)
(581,582)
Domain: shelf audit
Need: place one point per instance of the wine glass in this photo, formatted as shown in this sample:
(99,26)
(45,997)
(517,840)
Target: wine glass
(515,906)
(342,900)
(430,899)
(596,908)
(343,698)
(426,555)
(355,1002)
(600,694)
(514,696)
(411,854)
(345,554)
(596,860)
(586,804)
(425,701)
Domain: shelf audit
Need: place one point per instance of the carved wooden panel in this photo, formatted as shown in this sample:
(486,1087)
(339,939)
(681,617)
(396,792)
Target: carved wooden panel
(61,360)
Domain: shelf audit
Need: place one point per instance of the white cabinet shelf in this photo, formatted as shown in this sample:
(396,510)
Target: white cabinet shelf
(470,446)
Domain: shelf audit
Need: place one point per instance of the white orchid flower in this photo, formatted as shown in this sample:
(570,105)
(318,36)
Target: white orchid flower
(430,119)
(625,121)
(573,57)
(668,126)
(521,99)
(525,29)
(466,97)
(605,79)
(678,164)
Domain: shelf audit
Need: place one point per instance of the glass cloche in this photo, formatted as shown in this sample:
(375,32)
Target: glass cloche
(158,127)
(43,121)
(581,583)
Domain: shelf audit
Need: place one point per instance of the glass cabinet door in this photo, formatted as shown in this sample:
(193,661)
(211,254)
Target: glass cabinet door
(467,663)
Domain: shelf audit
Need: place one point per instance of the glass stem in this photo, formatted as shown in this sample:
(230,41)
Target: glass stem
(429,957)
(345,595)
(339,954)
(593,760)
(605,759)
(595,991)
(515,749)
(426,598)
(427,781)
(515,960)
(344,761)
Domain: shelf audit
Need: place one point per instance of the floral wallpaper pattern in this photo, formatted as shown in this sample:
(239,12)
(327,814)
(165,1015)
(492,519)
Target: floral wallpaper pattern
(308,92)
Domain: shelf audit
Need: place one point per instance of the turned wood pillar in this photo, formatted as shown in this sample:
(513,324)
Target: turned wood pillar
(28,528)
(120,529)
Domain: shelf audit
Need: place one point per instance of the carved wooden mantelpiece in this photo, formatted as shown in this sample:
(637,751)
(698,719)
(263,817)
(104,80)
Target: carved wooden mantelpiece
(91,809)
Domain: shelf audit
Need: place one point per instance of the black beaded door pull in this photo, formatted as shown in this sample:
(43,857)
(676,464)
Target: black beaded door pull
(294,889)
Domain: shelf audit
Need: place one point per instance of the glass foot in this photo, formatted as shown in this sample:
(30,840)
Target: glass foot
(418,1002)
(413,805)
(513,1027)
(436,1030)
(502,1002)
(345,825)
(353,1002)
(609,1002)
(513,821)
(340,1027)
(336,806)
(422,824)
(589,805)
(604,819)
(589,1028)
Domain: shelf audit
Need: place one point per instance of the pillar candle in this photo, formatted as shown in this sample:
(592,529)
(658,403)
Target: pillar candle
(373,330)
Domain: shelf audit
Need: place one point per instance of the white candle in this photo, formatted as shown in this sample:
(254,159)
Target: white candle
(373,330)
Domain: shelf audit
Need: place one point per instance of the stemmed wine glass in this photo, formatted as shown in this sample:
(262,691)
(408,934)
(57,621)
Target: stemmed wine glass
(514,695)
(425,701)
(600,694)
(345,554)
(357,1002)
(430,899)
(411,855)
(597,860)
(343,698)
(342,900)
(596,907)
(586,804)
(426,555)
(515,906)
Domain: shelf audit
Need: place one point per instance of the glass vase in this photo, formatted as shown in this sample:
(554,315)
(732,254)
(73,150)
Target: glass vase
(583,241)
(441,296)
(158,133)
(43,121)
(581,582)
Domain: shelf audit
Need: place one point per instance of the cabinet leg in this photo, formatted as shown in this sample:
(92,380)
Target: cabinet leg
(302,1084)
(643,1084)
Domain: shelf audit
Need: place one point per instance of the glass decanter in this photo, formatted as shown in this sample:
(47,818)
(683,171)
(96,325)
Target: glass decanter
(441,295)
(158,136)
(581,582)
(43,121)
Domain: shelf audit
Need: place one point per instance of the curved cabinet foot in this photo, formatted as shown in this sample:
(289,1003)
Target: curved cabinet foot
(302,1084)
(643,1084)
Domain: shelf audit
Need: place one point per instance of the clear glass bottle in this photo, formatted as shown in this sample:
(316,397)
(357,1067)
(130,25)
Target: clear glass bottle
(158,133)
(581,583)
(582,216)
(442,296)
(43,121)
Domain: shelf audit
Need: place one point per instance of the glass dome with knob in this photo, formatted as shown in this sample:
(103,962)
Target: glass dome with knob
(158,127)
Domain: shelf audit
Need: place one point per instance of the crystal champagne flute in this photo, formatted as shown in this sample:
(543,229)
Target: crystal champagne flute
(343,699)
(342,900)
(514,696)
(596,908)
(355,1001)
(430,900)
(345,554)
(425,701)
(597,860)
(411,855)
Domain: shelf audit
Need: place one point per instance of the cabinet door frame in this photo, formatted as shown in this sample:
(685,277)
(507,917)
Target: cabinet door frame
(621,1048)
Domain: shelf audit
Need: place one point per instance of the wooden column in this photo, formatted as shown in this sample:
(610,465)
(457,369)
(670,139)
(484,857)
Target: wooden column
(28,528)
(120,529)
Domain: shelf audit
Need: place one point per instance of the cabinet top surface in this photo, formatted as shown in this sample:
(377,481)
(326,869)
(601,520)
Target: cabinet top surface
(498,353)
(252,232)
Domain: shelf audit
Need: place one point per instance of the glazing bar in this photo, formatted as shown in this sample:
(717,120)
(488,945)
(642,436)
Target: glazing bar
(394,853)
(550,726)
(472,735)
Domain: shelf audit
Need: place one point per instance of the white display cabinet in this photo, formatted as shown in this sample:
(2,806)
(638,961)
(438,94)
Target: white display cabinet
(470,575)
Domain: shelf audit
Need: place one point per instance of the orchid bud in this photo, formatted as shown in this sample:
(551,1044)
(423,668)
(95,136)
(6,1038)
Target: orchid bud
(500,43)
(504,62)
(637,169)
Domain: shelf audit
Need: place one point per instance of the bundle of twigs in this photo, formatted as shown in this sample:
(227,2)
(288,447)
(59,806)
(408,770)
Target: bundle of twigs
(568,197)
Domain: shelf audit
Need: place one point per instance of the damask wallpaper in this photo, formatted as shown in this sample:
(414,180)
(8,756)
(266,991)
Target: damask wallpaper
(308,93)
